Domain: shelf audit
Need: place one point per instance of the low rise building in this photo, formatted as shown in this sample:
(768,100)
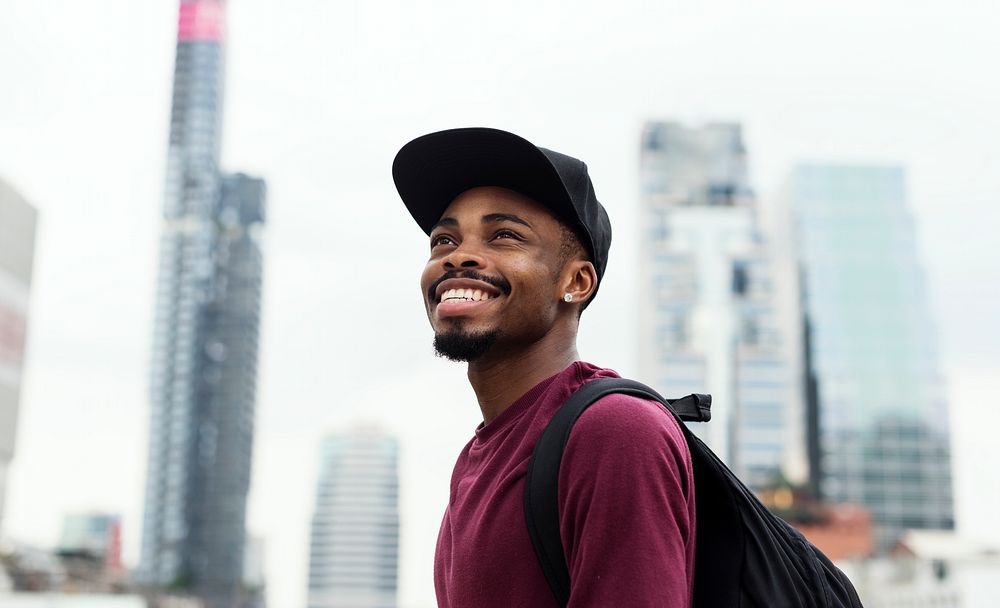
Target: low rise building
(930,569)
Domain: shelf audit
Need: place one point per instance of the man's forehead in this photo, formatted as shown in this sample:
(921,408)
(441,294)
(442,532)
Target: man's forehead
(486,218)
(494,203)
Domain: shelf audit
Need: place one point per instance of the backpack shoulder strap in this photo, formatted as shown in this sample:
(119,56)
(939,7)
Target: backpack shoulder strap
(541,492)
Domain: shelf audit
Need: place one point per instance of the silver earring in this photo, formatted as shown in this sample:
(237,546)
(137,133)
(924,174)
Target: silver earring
(568,297)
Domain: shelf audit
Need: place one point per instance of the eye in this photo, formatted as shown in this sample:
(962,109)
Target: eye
(441,239)
(506,234)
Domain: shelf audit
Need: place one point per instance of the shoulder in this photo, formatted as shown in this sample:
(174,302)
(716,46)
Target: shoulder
(618,412)
(625,437)
(629,448)
(625,419)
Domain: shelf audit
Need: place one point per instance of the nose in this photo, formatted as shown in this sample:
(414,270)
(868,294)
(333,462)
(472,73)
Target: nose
(463,256)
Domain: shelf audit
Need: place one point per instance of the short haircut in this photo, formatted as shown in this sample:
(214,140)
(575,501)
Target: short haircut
(571,248)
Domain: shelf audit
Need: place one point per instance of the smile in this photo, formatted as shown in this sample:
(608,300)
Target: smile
(464,295)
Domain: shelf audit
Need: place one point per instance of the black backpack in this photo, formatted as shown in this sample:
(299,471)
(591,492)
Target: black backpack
(746,556)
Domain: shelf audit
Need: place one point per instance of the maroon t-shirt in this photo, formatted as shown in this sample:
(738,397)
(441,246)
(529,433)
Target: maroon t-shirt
(626,506)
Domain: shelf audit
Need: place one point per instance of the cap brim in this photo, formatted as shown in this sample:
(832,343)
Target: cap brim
(432,170)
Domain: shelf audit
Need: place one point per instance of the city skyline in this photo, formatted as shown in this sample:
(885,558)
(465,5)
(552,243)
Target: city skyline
(321,103)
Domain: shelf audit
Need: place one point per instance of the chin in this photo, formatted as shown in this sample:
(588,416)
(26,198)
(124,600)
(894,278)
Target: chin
(460,345)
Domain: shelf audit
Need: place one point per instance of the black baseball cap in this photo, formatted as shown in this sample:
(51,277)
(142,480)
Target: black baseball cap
(432,170)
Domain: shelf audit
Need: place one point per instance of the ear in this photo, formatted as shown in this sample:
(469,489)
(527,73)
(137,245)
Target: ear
(579,279)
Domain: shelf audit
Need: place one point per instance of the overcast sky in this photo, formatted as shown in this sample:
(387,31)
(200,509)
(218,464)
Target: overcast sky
(319,97)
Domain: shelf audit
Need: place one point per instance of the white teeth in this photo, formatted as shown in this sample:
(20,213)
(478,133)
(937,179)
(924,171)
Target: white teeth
(457,295)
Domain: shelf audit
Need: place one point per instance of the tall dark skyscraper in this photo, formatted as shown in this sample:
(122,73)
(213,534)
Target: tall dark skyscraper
(204,366)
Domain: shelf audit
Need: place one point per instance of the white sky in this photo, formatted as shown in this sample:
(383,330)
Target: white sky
(321,95)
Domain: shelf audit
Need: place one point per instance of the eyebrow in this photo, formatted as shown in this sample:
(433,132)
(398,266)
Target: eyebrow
(445,221)
(489,218)
(504,217)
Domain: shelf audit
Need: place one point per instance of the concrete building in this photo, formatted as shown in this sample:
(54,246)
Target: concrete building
(354,543)
(882,438)
(709,308)
(98,534)
(90,547)
(17,252)
(930,569)
(204,370)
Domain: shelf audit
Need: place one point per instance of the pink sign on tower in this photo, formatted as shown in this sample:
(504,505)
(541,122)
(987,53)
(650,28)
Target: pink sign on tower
(200,21)
(12,336)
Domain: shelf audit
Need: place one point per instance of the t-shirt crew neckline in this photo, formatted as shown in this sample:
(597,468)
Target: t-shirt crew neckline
(484,432)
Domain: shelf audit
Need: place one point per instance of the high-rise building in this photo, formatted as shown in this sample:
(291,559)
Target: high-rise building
(709,307)
(17,252)
(204,368)
(354,546)
(882,424)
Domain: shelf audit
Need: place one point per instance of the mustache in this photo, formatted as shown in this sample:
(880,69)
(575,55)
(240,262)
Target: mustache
(473,275)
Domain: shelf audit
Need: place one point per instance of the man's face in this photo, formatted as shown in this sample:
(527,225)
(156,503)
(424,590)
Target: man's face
(491,281)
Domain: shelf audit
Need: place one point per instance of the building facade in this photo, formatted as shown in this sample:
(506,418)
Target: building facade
(90,550)
(98,535)
(882,417)
(929,569)
(354,542)
(204,368)
(17,251)
(709,310)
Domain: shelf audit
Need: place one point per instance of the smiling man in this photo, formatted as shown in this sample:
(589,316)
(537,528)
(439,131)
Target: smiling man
(518,247)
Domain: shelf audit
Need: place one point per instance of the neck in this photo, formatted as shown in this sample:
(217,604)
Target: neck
(502,379)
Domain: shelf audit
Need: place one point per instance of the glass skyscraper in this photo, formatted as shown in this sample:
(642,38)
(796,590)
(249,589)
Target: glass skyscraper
(354,543)
(17,254)
(204,367)
(709,311)
(882,414)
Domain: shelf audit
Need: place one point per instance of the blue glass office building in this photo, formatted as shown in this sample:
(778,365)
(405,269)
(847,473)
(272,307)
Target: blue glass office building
(883,438)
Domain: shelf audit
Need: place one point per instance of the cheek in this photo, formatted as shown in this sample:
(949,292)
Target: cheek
(427,277)
(537,281)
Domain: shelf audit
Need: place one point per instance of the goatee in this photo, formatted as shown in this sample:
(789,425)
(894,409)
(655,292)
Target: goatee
(459,346)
